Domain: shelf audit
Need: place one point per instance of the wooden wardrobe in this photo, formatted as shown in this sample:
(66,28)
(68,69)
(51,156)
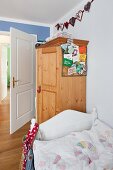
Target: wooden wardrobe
(54,92)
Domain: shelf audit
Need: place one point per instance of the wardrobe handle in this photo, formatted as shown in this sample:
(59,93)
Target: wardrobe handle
(39,89)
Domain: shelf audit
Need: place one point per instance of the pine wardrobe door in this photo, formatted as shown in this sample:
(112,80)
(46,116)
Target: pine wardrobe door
(46,83)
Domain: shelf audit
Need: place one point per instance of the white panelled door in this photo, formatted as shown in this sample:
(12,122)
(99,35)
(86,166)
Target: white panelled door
(22,97)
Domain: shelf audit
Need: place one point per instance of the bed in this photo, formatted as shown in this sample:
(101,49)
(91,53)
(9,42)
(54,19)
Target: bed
(84,144)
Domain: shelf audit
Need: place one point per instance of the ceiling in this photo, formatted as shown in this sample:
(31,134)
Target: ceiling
(43,11)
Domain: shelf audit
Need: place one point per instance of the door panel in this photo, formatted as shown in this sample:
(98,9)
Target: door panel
(49,69)
(48,104)
(24,73)
(22,107)
(47,80)
(25,103)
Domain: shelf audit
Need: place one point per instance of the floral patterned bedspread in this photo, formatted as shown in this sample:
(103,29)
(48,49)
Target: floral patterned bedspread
(86,150)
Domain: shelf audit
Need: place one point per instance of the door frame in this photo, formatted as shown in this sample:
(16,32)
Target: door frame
(5,33)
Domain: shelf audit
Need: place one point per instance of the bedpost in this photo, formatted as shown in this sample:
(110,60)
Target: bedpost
(94,110)
(33,121)
(94,114)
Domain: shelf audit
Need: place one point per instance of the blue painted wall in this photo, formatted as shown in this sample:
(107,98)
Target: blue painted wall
(41,31)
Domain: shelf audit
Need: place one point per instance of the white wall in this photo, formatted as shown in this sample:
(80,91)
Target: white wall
(4,39)
(97,27)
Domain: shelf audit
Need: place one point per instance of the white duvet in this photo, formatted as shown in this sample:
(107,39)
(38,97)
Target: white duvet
(86,150)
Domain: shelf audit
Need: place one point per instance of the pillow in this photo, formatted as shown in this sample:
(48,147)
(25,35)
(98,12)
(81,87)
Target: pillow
(66,122)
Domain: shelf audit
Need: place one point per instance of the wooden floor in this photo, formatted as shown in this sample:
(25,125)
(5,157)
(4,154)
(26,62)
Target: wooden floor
(10,145)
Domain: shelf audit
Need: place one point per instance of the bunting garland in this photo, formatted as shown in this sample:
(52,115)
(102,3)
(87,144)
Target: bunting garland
(78,16)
